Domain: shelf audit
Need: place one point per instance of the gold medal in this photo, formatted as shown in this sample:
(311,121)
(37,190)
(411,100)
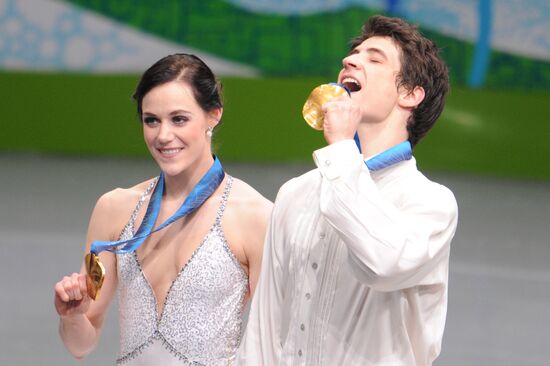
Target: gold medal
(96,274)
(312,111)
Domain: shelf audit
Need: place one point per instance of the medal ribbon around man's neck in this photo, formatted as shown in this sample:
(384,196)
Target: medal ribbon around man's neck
(314,116)
(200,193)
(393,155)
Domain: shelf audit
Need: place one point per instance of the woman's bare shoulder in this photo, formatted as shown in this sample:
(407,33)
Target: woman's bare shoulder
(246,222)
(250,207)
(120,202)
(245,195)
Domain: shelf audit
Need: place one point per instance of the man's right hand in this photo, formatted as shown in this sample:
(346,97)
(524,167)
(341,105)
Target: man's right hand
(342,117)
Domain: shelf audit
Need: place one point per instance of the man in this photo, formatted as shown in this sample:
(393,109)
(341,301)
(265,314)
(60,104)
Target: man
(355,265)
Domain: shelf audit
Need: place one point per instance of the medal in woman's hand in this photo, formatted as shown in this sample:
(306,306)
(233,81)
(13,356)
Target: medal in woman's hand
(95,274)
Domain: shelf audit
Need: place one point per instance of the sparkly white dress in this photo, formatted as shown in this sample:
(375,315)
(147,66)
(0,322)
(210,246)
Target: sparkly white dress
(202,314)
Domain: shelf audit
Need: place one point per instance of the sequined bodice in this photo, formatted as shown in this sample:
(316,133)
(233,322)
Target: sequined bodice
(201,319)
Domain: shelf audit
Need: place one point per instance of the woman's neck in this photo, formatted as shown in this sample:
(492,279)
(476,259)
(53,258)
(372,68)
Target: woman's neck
(178,187)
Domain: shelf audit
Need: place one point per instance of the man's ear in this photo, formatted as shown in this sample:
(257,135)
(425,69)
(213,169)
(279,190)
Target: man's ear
(410,99)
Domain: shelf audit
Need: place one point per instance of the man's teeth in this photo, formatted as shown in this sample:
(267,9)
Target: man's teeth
(350,80)
(351,84)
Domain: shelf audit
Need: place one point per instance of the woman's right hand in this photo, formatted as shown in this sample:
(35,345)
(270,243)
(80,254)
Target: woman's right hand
(71,295)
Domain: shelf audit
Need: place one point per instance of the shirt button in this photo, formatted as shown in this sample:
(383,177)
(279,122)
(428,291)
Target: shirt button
(322,235)
(327,162)
(308,296)
(300,352)
(314,266)
(302,327)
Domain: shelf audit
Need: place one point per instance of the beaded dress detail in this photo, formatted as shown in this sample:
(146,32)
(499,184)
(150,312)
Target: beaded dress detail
(201,318)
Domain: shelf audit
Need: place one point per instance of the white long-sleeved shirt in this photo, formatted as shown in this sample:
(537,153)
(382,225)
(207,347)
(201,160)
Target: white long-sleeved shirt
(355,267)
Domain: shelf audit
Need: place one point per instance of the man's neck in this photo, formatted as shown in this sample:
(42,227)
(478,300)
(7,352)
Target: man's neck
(376,138)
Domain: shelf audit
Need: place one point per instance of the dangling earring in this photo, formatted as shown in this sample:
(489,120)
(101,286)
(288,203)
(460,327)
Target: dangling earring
(209,132)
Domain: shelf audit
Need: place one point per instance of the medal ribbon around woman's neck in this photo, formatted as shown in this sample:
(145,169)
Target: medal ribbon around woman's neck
(200,193)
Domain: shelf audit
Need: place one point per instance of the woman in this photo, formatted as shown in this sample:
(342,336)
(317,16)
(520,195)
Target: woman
(182,291)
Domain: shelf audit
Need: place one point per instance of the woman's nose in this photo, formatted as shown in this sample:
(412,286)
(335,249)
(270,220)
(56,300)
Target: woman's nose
(165,133)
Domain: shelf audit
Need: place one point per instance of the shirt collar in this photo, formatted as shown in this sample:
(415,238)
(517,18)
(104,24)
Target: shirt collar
(391,156)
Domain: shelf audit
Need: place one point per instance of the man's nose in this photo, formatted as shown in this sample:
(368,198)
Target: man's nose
(350,62)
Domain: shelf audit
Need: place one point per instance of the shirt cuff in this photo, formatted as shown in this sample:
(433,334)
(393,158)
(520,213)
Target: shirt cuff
(332,160)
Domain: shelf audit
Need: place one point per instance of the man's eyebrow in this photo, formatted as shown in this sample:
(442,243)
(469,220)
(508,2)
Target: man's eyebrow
(377,51)
(353,51)
(369,50)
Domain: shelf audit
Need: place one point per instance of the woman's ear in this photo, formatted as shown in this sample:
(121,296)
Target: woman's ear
(410,99)
(214,117)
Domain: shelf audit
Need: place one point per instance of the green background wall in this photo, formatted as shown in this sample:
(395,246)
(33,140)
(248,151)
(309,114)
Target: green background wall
(490,132)
(500,129)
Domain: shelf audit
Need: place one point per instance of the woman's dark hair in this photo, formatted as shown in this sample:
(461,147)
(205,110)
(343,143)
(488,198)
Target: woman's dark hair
(421,65)
(182,67)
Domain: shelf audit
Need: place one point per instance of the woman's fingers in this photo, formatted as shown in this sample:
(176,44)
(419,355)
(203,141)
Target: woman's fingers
(70,287)
(71,295)
(60,291)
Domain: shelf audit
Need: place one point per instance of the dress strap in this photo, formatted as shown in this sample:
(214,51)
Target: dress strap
(225,196)
(129,228)
(131,222)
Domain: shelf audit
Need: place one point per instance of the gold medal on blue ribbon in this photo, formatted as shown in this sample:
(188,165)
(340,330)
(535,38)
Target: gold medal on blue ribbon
(95,274)
(313,107)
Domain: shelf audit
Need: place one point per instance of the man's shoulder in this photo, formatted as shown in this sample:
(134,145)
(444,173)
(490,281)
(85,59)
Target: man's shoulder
(297,184)
(421,190)
(429,186)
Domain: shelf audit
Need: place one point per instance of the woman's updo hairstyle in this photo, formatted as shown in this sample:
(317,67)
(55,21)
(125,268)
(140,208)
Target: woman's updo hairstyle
(182,67)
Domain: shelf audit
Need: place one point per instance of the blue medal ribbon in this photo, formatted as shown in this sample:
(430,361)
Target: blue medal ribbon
(393,155)
(200,193)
